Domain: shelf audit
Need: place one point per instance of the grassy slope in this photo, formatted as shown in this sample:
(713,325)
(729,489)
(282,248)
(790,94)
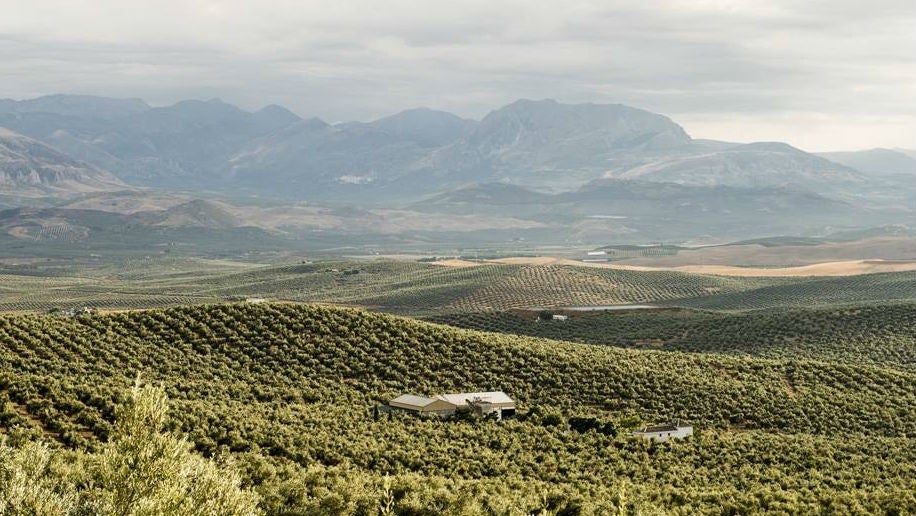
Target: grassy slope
(298,382)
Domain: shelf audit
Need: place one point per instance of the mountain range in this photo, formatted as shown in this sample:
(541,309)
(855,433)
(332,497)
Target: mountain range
(554,163)
(543,145)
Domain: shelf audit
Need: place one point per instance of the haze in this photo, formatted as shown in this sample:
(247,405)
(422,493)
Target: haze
(821,75)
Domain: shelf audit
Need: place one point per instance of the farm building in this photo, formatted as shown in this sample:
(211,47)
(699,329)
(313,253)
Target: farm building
(676,430)
(423,405)
(496,403)
(558,317)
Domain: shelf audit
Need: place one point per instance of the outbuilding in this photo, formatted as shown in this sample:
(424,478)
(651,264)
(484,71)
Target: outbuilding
(493,403)
(497,403)
(660,433)
(423,405)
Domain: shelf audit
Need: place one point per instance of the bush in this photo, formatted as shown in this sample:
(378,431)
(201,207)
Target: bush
(141,471)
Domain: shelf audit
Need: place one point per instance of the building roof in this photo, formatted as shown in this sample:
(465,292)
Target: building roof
(658,428)
(462,398)
(411,401)
(672,427)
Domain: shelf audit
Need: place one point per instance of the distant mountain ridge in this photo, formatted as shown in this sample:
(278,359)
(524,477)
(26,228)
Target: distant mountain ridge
(540,144)
(86,106)
(876,161)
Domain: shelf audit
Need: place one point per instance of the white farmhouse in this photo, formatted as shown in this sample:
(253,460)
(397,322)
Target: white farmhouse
(495,403)
(677,430)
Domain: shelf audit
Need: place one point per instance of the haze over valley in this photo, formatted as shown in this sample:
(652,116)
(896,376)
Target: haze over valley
(540,172)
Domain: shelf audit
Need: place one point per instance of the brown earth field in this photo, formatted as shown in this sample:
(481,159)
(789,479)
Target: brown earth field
(840,268)
(755,255)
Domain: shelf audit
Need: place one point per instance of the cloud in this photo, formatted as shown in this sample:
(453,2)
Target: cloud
(774,66)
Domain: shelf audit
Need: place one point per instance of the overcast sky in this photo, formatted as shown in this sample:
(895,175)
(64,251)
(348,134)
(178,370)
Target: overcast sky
(820,74)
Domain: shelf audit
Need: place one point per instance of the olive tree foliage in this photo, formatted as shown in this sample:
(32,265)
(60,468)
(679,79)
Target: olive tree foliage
(141,471)
(30,483)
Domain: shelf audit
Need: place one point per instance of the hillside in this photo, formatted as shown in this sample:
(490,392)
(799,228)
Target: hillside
(79,235)
(762,164)
(402,287)
(859,334)
(641,210)
(547,144)
(392,286)
(29,168)
(285,388)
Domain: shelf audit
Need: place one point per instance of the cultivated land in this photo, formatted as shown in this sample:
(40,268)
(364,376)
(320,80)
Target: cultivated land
(844,268)
(800,387)
(418,288)
(288,390)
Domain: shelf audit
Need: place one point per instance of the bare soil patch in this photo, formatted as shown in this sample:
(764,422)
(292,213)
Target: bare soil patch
(842,268)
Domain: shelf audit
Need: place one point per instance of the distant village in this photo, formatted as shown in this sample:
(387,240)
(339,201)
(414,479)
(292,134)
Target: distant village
(497,405)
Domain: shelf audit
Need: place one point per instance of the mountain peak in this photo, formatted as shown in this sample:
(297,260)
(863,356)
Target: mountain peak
(769,147)
(274,117)
(523,103)
(424,126)
(547,133)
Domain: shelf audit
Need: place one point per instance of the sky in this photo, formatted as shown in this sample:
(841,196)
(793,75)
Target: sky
(819,74)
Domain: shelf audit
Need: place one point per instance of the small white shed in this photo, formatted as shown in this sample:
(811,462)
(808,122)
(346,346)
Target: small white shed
(660,433)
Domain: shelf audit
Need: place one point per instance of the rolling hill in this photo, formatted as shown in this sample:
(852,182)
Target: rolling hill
(865,333)
(123,281)
(288,392)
